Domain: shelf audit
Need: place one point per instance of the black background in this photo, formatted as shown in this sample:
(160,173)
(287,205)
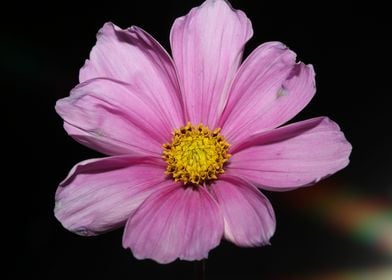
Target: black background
(43,46)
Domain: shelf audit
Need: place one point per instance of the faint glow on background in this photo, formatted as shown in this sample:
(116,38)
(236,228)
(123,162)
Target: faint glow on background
(382,273)
(363,218)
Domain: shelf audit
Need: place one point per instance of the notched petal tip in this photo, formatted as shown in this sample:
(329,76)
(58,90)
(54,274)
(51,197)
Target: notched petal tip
(58,107)
(108,26)
(278,45)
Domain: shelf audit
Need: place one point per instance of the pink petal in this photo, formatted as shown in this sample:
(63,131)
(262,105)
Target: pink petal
(207,47)
(135,57)
(268,90)
(248,216)
(292,156)
(113,118)
(99,194)
(180,223)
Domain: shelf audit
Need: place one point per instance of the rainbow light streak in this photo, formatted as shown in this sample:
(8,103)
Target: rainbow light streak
(382,273)
(366,219)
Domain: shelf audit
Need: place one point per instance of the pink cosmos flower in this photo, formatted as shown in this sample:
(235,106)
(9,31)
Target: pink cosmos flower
(191,138)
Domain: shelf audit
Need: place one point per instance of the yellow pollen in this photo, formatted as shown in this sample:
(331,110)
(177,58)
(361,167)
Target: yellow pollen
(196,154)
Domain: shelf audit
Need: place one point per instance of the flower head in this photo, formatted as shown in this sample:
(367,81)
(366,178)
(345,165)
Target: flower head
(191,138)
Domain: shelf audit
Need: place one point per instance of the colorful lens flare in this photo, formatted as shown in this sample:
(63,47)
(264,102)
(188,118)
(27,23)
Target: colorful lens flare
(362,218)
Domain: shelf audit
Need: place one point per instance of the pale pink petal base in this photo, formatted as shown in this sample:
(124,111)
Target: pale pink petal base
(180,222)
(248,216)
(99,194)
(289,157)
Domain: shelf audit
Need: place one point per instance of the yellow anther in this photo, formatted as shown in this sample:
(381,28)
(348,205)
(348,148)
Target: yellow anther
(196,154)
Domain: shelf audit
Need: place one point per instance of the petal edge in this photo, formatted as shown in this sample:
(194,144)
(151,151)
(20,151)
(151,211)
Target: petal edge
(176,223)
(292,156)
(98,195)
(207,46)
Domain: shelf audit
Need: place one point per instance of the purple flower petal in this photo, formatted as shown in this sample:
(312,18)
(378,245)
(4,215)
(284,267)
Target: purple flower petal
(268,90)
(99,194)
(113,118)
(135,57)
(292,156)
(207,47)
(180,222)
(248,216)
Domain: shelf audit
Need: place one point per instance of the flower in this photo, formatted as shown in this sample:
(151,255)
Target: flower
(191,139)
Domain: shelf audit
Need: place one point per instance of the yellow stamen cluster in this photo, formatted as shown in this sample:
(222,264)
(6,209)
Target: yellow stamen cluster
(196,154)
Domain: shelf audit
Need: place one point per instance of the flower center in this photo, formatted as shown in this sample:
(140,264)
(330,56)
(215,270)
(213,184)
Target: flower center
(196,154)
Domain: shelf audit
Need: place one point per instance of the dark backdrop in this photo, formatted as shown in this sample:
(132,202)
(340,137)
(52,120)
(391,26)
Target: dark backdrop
(44,45)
